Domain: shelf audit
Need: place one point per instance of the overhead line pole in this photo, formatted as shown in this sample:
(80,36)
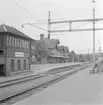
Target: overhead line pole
(93,34)
(49,25)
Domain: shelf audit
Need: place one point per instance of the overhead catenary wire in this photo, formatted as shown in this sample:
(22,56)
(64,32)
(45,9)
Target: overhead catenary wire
(60,26)
(82,25)
(30,14)
(34,26)
(13,1)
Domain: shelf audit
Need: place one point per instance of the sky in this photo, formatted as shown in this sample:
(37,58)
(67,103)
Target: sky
(17,12)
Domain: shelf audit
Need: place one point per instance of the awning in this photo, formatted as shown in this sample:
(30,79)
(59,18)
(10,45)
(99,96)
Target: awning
(59,56)
(56,56)
(67,57)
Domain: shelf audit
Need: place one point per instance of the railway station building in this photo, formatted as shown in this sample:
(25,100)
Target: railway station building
(14,51)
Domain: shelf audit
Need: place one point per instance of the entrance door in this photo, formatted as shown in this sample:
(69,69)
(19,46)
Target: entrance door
(19,65)
(12,65)
(2,70)
(24,64)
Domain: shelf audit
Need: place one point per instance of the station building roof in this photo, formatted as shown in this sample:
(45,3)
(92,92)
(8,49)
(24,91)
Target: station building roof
(12,30)
(63,48)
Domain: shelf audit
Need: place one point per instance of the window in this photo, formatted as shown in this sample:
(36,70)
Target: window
(24,64)
(12,65)
(22,43)
(19,65)
(33,47)
(18,43)
(12,41)
(9,40)
(15,42)
(27,45)
(33,58)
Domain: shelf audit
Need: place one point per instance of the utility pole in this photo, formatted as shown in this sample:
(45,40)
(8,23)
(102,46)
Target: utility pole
(49,25)
(93,34)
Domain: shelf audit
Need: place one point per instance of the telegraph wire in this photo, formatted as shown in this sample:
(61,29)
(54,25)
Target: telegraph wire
(82,25)
(23,8)
(13,1)
(58,27)
(34,26)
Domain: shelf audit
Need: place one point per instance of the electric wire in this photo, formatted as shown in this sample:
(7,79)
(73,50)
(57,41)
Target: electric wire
(82,25)
(24,9)
(30,14)
(60,26)
(35,26)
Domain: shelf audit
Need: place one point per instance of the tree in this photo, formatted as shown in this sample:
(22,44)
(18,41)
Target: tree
(73,55)
(81,58)
(41,50)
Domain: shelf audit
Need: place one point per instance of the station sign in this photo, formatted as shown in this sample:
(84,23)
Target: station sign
(19,54)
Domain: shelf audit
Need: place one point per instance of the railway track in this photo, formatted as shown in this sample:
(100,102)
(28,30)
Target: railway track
(32,77)
(43,85)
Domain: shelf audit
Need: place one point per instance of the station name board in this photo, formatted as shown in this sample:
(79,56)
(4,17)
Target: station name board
(19,54)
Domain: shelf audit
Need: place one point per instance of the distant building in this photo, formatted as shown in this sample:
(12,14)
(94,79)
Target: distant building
(14,51)
(64,53)
(54,53)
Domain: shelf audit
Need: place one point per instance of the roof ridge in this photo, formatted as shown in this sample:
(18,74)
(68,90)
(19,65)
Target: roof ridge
(9,29)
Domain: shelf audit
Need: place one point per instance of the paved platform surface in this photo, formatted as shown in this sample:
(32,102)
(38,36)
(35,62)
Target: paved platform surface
(37,69)
(82,88)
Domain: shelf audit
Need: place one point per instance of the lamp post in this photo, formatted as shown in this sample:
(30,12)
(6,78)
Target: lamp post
(93,34)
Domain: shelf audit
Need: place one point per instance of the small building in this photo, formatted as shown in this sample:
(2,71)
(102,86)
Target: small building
(14,51)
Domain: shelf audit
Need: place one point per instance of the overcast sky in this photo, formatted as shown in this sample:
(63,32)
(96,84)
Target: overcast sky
(12,15)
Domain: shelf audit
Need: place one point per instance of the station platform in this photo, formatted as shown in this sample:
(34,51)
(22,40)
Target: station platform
(36,69)
(83,88)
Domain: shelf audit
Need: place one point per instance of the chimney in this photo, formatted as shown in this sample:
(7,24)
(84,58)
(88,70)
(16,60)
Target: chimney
(41,36)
